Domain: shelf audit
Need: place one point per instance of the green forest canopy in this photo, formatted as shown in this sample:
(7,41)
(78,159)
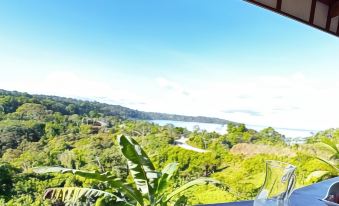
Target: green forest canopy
(11,100)
(40,130)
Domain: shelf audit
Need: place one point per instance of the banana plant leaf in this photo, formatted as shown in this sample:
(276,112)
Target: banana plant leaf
(141,168)
(73,195)
(331,145)
(166,175)
(316,175)
(104,177)
(329,163)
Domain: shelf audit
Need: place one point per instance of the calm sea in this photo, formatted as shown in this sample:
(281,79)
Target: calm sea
(221,129)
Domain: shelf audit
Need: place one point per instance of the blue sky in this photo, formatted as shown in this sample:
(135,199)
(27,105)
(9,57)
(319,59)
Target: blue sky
(218,58)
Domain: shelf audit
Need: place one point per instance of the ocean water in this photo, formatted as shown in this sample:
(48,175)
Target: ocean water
(219,128)
(222,129)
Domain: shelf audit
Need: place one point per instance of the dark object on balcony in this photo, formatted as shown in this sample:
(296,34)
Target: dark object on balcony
(332,197)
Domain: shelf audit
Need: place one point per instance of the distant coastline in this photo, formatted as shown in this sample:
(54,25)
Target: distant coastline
(208,123)
(116,110)
(222,128)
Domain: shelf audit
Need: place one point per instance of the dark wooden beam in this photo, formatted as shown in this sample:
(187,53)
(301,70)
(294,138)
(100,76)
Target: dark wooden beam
(314,3)
(279,2)
(329,18)
(327,2)
(334,9)
(294,17)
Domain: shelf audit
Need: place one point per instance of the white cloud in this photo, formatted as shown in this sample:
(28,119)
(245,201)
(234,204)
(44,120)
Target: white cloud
(294,101)
(75,85)
(173,86)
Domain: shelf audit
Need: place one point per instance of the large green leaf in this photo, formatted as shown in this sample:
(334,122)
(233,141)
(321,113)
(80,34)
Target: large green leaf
(74,195)
(140,166)
(86,174)
(166,175)
(316,175)
(329,163)
(181,201)
(104,177)
(200,181)
(331,145)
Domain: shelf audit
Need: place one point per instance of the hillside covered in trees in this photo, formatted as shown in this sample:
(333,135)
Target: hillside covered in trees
(68,106)
(38,131)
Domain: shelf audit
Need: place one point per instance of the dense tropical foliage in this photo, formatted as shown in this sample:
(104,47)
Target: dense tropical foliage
(40,131)
(150,186)
(67,106)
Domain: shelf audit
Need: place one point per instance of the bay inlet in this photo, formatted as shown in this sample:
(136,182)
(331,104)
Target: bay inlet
(292,135)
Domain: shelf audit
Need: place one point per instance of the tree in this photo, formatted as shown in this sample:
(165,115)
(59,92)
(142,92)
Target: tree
(332,161)
(9,104)
(236,133)
(270,136)
(13,132)
(6,180)
(149,184)
(53,129)
(30,111)
(71,109)
(2,113)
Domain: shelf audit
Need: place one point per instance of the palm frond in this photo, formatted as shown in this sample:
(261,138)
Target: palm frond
(316,175)
(74,195)
(329,163)
(331,145)
(114,182)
